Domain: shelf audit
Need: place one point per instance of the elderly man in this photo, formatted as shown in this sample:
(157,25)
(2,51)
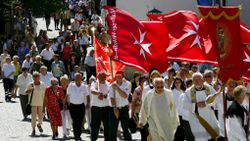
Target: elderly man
(45,76)
(36,65)
(237,117)
(158,109)
(196,106)
(77,92)
(99,106)
(22,82)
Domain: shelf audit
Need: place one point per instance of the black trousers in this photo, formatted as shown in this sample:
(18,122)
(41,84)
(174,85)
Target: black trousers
(90,73)
(8,85)
(47,64)
(144,133)
(179,134)
(187,131)
(98,115)
(113,124)
(77,113)
(24,101)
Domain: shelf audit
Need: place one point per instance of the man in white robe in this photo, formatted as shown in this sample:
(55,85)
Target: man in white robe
(158,109)
(198,100)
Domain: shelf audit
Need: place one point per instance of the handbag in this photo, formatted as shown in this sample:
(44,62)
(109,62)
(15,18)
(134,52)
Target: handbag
(58,100)
(28,106)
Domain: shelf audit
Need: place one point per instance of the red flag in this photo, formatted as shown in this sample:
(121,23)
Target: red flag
(245,39)
(246,64)
(245,33)
(223,26)
(188,41)
(137,44)
(102,60)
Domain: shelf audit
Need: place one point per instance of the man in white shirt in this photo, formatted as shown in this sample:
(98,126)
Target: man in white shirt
(76,94)
(27,62)
(8,78)
(47,56)
(118,94)
(99,107)
(23,80)
(90,65)
(45,76)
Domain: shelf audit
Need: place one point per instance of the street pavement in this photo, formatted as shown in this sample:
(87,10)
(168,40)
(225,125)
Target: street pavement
(12,128)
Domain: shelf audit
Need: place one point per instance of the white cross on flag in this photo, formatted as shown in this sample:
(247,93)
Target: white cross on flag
(137,44)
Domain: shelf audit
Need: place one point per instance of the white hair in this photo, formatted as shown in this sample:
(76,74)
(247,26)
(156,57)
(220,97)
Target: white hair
(53,79)
(197,74)
(158,79)
(65,76)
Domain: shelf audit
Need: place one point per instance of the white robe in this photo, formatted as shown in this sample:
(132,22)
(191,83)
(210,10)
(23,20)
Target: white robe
(160,113)
(207,113)
(235,131)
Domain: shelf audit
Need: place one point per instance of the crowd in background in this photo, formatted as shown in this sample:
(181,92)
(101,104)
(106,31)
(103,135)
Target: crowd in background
(50,75)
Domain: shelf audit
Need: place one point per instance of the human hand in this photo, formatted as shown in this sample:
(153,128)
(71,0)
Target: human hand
(140,125)
(100,96)
(201,104)
(114,86)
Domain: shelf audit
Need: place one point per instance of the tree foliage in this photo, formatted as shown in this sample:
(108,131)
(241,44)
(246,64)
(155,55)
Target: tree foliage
(39,7)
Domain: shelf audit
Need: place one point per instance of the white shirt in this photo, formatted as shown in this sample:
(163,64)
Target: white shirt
(104,89)
(47,54)
(55,47)
(7,70)
(90,61)
(46,78)
(177,95)
(84,40)
(77,94)
(26,64)
(38,94)
(22,82)
(120,101)
(3,57)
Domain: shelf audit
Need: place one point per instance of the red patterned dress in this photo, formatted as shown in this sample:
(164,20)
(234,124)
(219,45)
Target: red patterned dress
(53,105)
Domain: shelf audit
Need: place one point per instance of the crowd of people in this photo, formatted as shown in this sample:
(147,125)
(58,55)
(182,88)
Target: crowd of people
(187,102)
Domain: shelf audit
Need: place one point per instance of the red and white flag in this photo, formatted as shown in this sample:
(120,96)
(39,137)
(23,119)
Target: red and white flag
(102,60)
(188,41)
(246,64)
(245,39)
(137,44)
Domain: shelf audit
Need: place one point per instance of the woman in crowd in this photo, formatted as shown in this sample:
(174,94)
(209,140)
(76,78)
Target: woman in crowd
(36,90)
(178,88)
(54,97)
(66,118)
(17,67)
(136,106)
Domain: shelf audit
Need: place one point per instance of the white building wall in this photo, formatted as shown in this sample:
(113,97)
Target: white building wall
(139,8)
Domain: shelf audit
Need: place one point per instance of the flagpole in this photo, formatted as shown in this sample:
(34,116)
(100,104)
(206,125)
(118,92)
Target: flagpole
(116,111)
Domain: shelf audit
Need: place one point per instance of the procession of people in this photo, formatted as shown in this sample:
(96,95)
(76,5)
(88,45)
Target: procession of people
(59,80)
